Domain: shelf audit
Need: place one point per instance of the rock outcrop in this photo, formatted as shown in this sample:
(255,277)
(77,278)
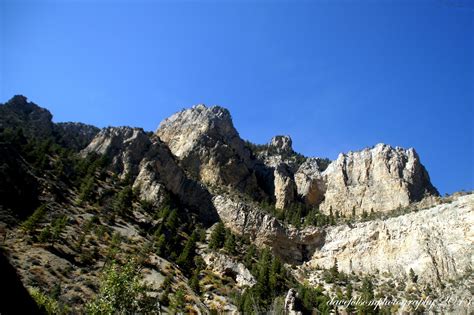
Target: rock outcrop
(436,243)
(150,165)
(35,121)
(75,135)
(124,146)
(284,186)
(276,171)
(209,148)
(281,145)
(291,303)
(287,242)
(310,183)
(379,179)
(224,265)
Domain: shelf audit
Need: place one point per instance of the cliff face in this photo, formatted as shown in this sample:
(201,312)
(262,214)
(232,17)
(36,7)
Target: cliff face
(209,148)
(310,182)
(375,180)
(436,243)
(201,145)
(287,242)
(378,179)
(124,146)
(202,142)
(150,165)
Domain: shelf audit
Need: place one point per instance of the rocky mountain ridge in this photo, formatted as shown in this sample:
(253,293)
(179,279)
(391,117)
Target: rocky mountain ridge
(381,178)
(370,213)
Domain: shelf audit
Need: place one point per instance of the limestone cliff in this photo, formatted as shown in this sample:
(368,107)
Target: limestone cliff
(124,146)
(209,148)
(436,243)
(287,242)
(310,182)
(150,165)
(377,179)
(276,170)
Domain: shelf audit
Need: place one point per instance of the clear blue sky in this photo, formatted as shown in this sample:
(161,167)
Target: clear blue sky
(335,75)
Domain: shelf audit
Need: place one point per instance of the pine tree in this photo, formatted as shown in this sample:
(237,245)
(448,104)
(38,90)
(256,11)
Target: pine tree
(86,191)
(334,270)
(217,236)
(194,283)
(160,245)
(32,222)
(123,200)
(249,256)
(172,220)
(349,308)
(367,295)
(186,258)
(263,274)
(229,244)
(121,291)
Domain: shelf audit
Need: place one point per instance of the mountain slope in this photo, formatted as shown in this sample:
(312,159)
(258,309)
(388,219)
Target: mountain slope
(199,220)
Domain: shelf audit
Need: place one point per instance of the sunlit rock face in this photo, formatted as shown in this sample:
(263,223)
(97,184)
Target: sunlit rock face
(377,179)
(148,162)
(289,243)
(436,243)
(310,183)
(209,148)
(281,144)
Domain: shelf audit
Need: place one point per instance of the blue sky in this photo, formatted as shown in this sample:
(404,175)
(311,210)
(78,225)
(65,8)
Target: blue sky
(335,75)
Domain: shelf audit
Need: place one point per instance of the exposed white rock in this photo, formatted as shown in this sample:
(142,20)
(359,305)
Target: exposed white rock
(436,243)
(278,171)
(290,303)
(227,266)
(151,166)
(281,144)
(284,186)
(310,183)
(125,146)
(379,179)
(209,148)
(287,242)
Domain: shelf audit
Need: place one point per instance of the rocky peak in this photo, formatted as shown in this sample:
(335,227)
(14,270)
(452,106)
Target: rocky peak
(183,129)
(281,144)
(377,179)
(209,148)
(35,121)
